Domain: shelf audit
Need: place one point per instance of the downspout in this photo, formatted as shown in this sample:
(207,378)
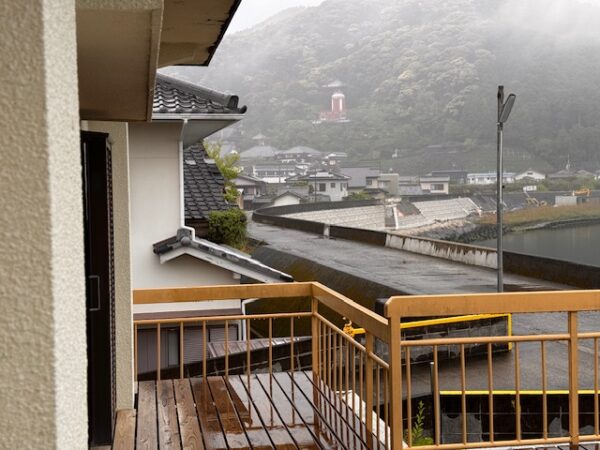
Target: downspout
(181,177)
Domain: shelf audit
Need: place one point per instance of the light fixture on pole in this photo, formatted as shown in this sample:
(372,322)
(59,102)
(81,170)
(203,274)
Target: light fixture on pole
(504,109)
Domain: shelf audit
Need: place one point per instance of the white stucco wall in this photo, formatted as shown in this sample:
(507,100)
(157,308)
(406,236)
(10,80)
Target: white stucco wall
(119,138)
(42,326)
(155,216)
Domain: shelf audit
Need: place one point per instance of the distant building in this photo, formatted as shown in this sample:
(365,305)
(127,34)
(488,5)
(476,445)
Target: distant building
(530,174)
(249,187)
(386,182)
(455,176)
(327,183)
(259,152)
(335,159)
(435,185)
(358,177)
(298,154)
(273,173)
(482,178)
(338,105)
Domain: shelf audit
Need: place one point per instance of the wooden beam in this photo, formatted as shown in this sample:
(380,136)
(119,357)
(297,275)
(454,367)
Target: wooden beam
(225,292)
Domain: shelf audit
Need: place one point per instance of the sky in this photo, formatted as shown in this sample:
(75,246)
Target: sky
(252,12)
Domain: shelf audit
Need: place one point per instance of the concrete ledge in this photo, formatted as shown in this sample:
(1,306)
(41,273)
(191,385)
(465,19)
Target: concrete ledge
(358,234)
(554,270)
(463,253)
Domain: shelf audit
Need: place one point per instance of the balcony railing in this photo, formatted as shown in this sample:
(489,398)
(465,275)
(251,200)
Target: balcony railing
(355,379)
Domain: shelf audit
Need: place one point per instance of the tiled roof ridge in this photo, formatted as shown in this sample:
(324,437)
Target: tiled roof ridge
(190,93)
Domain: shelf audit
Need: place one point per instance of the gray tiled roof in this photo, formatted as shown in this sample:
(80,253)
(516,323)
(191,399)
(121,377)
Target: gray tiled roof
(185,241)
(173,96)
(203,184)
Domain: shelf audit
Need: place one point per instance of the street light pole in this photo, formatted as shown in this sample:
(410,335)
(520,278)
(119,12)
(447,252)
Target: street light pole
(499,177)
(504,109)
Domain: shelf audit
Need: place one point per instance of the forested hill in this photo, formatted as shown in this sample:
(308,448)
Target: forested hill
(420,73)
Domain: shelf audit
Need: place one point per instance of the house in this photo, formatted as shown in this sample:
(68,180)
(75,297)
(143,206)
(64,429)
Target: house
(386,182)
(435,185)
(259,152)
(273,173)
(530,175)
(483,178)
(288,198)
(326,183)
(77,75)
(455,176)
(298,154)
(249,188)
(358,177)
(175,186)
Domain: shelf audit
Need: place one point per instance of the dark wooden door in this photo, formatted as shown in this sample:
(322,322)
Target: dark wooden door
(98,226)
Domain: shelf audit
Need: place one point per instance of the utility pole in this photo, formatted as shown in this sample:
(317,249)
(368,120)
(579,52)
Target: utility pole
(499,180)
(504,109)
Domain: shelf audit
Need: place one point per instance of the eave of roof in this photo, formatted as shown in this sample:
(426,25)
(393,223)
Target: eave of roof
(185,242)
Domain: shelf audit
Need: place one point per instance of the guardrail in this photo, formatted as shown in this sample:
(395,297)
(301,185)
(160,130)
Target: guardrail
(349,375)
(571,302)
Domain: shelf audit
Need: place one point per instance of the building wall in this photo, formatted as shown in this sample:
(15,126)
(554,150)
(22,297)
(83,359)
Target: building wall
(286,200)
(155,215)
(42,326)
(119,138)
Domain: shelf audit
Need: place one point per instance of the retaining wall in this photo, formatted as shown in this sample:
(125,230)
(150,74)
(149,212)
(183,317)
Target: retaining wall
(558,271)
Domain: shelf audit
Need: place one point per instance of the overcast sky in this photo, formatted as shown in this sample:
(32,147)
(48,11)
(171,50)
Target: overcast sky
(252,12)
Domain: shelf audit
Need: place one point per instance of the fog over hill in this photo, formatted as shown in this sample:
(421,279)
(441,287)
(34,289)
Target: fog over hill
(420,73)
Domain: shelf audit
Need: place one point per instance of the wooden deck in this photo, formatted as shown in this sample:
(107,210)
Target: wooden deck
(284,410)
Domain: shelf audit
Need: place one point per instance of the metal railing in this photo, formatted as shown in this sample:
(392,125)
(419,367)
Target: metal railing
(358,388)
(570,302)
(352,382)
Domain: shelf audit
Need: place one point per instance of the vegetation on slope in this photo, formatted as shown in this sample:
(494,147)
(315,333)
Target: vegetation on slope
(422,72)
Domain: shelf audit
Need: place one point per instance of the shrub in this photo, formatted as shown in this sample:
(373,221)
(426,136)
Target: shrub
(419,437)
(227,227)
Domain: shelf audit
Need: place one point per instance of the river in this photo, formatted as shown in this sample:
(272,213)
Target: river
(580,244)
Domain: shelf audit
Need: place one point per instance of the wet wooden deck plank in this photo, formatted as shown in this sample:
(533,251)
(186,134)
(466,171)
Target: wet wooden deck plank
(329,436)
(232,427)
(147,432)
(212,431)
(298,419)
(168,425)
(343,418)
(124,438)
(261,436)
(277,419)
(191,439)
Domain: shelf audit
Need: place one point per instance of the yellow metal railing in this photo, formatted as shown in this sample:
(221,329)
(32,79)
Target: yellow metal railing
(570,302)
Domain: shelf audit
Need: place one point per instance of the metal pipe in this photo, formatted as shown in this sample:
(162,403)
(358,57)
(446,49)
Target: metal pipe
(499,199)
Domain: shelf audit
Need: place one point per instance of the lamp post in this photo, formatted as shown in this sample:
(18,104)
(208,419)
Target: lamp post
(504,109)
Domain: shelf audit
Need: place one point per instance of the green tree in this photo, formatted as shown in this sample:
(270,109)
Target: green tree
(226,165)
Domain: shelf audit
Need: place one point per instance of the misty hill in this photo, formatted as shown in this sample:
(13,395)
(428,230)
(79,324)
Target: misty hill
(423,73)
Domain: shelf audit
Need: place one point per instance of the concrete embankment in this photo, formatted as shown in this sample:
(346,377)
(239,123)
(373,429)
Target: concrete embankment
(563,272)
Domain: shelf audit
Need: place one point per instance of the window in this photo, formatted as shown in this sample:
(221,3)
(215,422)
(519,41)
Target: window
(332,185)
(322,187)
(437,187)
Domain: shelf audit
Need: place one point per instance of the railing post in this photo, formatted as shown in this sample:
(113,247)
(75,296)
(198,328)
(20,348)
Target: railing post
(573,380)
(369,347)
(395,361)
(315,338)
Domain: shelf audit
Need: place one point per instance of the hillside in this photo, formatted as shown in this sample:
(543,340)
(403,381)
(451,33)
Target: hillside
(421,73)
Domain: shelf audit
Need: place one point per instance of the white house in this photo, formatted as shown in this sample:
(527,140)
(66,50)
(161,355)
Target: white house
(334,185)
(171,185)
(482,178)
(529,175)
(435,185)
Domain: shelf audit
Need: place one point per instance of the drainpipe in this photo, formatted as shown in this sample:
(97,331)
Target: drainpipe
(181,177)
